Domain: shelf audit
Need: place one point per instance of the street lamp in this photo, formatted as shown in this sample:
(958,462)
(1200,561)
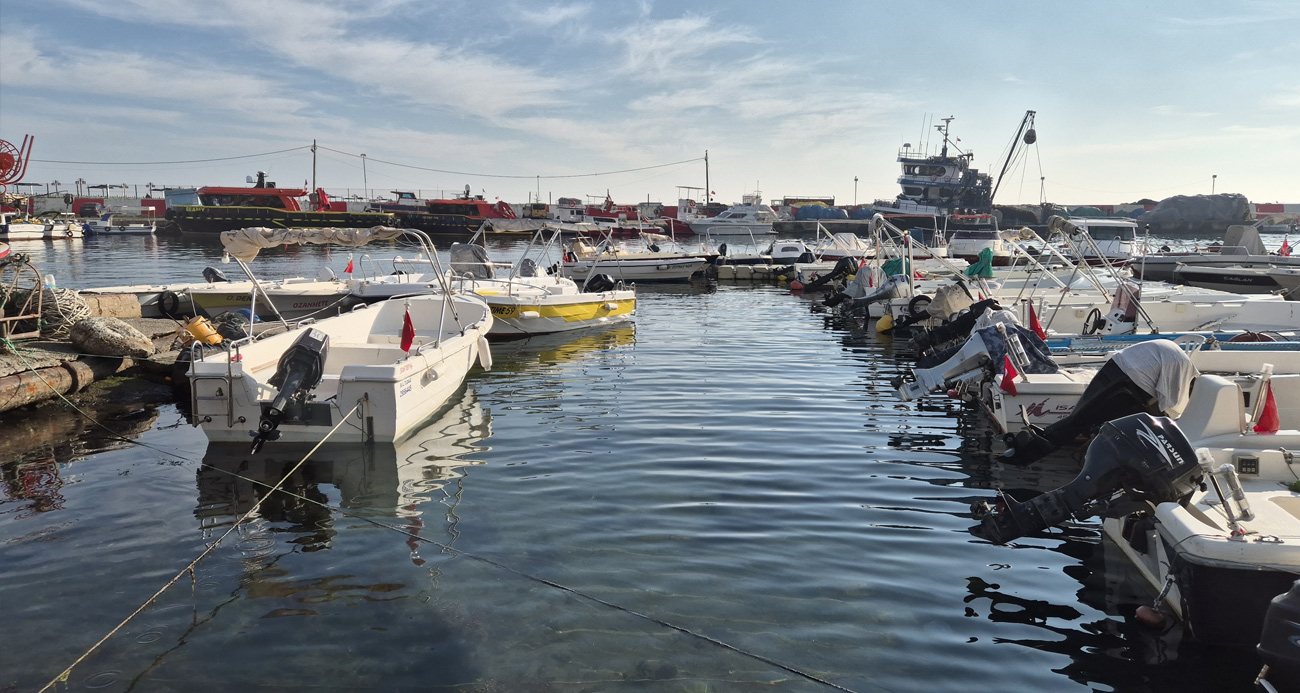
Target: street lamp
(365,181)
(1213,180)
(855,191)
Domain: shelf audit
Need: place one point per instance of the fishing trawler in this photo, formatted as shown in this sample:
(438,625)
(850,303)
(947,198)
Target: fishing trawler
(945,185)
(213,209)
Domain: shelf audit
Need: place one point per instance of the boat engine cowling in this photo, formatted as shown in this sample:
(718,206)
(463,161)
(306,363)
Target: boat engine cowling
(1279,643)
(212,275)
(298,373)
(600,283)
(1137,461)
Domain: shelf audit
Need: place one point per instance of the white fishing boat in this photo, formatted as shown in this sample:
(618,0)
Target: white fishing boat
(376,373)
(1108,242)
(16,228)
(108,224)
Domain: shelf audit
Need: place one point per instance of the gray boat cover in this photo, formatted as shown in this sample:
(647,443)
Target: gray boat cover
(1162,368)
(246,243)
(949,300)
(1242,240)
(470,260)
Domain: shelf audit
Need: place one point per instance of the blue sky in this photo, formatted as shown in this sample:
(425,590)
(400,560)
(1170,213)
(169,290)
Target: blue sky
(1133,99)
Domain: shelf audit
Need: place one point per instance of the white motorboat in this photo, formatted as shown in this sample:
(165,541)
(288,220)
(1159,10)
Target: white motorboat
(1259,279)
(526,300)
(107,224)
(582,259)
(374,374)
(1108,241)
(286,298)
(1207,509)
(743,220)
(1241,247)
(16,228)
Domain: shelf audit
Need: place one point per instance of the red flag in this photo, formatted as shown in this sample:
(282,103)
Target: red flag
(1009,374)
(1034,324)
(408,331)
(349,269)
(1268,419)
(1285,249)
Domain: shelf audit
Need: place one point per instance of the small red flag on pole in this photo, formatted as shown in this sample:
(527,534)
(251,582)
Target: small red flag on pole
(1034,324)
(1009,374)
(1286,247)
(408,330)
(1268,419)
(349,268)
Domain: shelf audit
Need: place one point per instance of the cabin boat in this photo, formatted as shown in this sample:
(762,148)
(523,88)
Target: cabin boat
(214,209)
(1108,242)
(583,258)
(743,219)
(16,228)
(941,185)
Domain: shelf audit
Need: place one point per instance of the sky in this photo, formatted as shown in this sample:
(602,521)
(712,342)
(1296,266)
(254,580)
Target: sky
(1133,99)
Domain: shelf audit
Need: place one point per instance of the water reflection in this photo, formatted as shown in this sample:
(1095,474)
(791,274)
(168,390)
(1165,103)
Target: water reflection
(377,481)
(40,444)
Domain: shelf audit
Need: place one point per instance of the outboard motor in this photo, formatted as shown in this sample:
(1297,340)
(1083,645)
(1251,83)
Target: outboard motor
(843,268)
(212,275)
(298,373)
(599,283)
(1112,393)
(959,328)
(895,286)
(1279,644)
(1134,461)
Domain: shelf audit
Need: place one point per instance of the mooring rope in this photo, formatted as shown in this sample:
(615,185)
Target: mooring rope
(400,530)
(447,548)
(63,676)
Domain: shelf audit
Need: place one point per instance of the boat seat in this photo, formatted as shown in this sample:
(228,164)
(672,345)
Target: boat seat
(1215,408)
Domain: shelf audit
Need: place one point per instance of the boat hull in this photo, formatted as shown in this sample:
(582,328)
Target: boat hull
(523,316)
(204,219)
(677,269)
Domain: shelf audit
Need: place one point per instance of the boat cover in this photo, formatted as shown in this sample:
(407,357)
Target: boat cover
(1242,240)
(1160,367)
(470,260)
(949,300)
(246,243)
(1040,357)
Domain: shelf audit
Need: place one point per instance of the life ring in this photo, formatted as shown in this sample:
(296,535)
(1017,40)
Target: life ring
(947,179)
(933,178)
(169,304)
(573,203)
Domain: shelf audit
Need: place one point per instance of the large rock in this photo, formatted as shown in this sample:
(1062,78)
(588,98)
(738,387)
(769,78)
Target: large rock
(110,337)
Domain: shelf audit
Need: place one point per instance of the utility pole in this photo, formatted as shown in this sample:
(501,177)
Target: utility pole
(1214,179)
(855,191)
(313,166)
(364,180)
(706,177)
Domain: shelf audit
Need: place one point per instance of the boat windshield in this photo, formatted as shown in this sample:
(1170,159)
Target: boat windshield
(975,235)
(1110,233)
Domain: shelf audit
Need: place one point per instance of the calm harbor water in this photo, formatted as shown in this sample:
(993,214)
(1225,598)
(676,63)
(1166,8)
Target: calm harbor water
(725,496)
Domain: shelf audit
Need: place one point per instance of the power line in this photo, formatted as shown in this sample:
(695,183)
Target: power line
(159,163)
(495,175)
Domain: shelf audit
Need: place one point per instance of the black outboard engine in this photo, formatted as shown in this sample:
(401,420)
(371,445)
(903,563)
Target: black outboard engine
(1279,644)
(843,268)
(600,283)
(1134,461)
(959,328)
(212,275)
(299,371)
